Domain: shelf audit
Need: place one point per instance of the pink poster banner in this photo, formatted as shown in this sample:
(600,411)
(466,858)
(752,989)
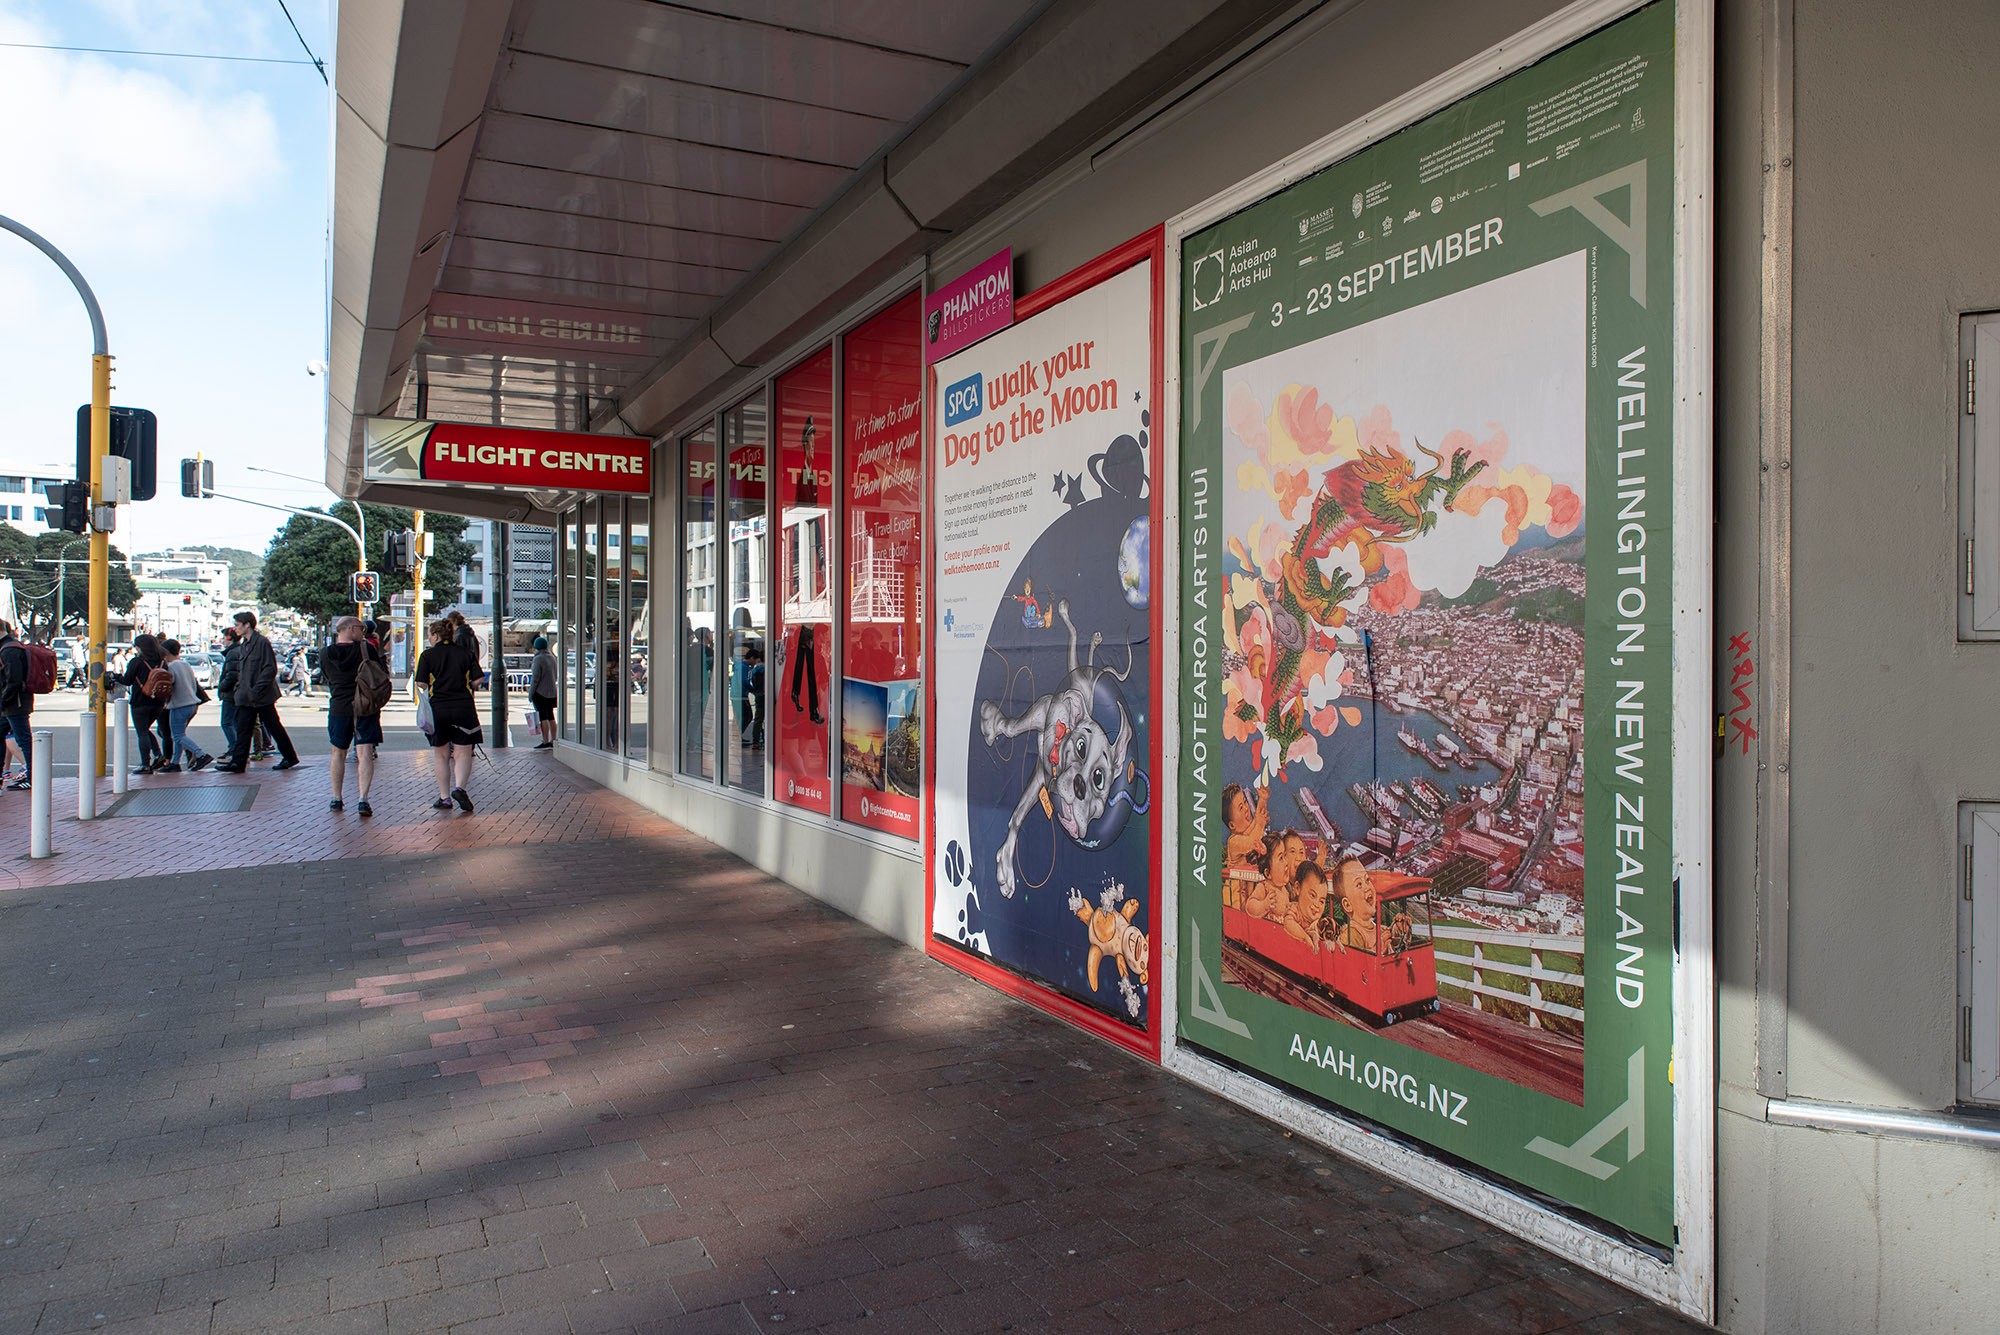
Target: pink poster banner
(972,306)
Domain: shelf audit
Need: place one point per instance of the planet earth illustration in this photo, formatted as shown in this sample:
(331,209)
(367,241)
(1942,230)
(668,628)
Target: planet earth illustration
(1135,564)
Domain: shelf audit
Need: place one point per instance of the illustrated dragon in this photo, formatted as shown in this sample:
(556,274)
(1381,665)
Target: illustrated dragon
(1376,499)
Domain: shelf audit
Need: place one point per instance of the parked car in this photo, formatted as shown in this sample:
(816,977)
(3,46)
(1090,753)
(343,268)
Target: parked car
(205,667)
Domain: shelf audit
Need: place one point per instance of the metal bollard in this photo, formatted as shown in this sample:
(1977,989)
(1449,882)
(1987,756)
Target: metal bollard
(120,729)
(86,765)
(40,842)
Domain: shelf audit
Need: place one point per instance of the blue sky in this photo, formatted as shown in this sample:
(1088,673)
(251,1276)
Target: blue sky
(192,194)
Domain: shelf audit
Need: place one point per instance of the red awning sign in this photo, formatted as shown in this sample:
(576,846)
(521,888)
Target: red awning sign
(400,450)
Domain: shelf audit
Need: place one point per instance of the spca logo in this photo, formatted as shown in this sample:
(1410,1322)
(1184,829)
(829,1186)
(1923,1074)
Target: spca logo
(963,400)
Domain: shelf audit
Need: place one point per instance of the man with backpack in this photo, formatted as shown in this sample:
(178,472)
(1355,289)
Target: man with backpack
(18,688)
(257,700)
(357,690)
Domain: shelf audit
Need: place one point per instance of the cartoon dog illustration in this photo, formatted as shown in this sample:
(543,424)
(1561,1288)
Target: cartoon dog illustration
(1084,765)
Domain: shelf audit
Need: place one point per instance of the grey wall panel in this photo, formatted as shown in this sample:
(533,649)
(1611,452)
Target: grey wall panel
(845,251)
(690,370)
(1862,1234)
(1067,80)
(451,46)
(1300,90)
(1894,720)
(1738,381)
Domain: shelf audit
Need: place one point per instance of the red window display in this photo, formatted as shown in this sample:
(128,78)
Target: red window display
(799,693)
(882,774)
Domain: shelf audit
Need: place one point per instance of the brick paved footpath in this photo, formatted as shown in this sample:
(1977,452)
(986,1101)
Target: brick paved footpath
(562,1067)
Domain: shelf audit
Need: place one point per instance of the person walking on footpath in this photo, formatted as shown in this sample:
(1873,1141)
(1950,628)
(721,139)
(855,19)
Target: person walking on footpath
(257,700)
(357,687)
(452,677)
(17,701)
(542,691)
(298,673)
(149,695)
(188,697)
(225,684)
(462,633)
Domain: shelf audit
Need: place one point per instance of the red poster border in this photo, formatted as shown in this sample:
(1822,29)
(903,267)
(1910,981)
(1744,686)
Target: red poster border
(1149,245)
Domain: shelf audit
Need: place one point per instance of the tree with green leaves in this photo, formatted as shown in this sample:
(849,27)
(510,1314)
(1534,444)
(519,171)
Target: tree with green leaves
(42,587)
(308,562)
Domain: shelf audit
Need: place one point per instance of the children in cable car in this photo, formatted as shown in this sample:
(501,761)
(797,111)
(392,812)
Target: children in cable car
(1304,923)
(1271,898)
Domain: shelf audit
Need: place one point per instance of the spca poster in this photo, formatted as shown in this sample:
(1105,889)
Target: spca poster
(1043,443)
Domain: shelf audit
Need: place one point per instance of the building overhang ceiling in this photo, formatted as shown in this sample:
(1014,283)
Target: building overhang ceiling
(571,214)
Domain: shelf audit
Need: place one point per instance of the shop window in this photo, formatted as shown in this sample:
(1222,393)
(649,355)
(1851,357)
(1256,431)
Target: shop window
(639,639)
(697,632)
(611,640)
(1979,476)
(1979,953)
(589,606)
(745,436)
(881,689)
(801,667)
(566,650)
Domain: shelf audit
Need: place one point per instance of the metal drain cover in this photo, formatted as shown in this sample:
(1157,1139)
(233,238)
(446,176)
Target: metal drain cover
(213,800)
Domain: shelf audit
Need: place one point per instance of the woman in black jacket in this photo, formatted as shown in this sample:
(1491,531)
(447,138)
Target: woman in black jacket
(149,714)
(451,675)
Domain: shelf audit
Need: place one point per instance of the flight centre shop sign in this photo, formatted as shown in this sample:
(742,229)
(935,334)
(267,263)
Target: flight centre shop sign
(403,450)
(1427,861)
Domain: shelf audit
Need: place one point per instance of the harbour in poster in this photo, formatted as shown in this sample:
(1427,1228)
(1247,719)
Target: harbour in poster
(1425,483)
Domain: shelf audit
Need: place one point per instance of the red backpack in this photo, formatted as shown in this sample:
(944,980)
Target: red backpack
(41,669)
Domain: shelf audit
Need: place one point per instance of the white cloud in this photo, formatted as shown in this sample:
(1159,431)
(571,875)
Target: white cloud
(1450,556)
(99,155)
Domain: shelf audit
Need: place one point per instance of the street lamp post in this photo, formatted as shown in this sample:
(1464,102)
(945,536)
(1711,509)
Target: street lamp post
(360,515)
(100,449)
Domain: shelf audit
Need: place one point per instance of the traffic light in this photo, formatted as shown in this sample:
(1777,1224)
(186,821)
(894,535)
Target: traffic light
(400,550)
(197,478)
(135,435)
(69,506)
(364,587)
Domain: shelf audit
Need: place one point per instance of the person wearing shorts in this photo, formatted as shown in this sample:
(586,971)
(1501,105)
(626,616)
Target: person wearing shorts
(344,728)
(452,676)
(542,692)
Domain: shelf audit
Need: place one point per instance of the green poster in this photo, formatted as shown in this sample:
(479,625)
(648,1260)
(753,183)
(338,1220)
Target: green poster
(1427,862)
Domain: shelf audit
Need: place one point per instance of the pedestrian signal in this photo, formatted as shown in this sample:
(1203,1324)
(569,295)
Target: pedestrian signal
(364,587)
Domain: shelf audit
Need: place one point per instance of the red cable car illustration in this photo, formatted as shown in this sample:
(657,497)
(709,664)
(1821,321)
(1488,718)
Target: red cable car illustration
(1380,964)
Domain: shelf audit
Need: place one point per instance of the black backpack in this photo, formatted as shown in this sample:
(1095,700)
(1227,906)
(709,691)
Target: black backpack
(372,687)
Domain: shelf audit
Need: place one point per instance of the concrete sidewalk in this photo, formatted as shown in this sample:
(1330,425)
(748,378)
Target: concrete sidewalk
(575,1070)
